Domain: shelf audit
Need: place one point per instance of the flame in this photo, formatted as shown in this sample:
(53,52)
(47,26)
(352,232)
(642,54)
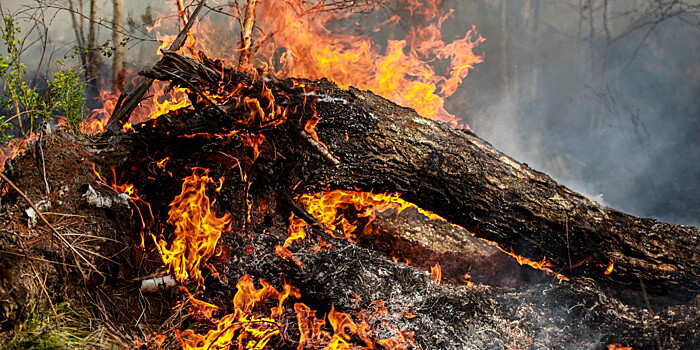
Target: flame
(619,347)
(610,267)
(295,232)
(14,148)
(543,265)
(160,101)
(328,207)
(246,326)
(467,281)
(252,326)
(313,335)
(197,228)
(436,273)
(143,208)
(298,33)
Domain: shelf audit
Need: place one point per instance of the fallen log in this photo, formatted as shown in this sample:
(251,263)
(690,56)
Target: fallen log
(382,147)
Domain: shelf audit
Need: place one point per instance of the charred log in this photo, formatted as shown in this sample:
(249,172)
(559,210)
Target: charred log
(383,147)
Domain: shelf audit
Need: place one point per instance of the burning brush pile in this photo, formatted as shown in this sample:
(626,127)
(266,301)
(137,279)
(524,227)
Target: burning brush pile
(288,213)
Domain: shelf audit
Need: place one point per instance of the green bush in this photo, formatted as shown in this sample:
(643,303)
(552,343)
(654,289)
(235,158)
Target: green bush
(64,98)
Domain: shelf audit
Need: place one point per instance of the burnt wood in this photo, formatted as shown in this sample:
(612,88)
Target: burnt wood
(383,147)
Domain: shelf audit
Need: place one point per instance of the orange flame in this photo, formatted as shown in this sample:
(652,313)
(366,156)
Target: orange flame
(161,101)
(466,278)
(436,273)
(313,335)
(143,208)
(246,325)
(543,265)
(402,73)
(329,209)
(297,32)
(296,231)
(14,148)
(197,228)
(610,267)
(619,347)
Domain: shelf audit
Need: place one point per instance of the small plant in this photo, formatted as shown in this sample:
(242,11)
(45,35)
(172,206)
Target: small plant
(19,98)
(24,103)
(67,97)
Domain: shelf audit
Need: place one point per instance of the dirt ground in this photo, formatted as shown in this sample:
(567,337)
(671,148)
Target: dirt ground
(78,273)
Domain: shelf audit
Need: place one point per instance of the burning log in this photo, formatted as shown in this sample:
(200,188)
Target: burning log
(302,157)
(385,148)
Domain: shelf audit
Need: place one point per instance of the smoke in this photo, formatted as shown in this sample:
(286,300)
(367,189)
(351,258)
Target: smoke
(611,120)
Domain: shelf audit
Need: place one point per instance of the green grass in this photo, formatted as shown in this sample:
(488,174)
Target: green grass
(67,328)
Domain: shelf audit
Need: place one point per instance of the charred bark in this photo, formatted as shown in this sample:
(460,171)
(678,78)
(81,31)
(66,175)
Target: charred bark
(383,147)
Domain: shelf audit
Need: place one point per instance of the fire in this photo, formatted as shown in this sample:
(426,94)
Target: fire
(331,209)
(246,326)
(143,208)
(402,72)
(161,101)
(543,265)
(313,335)
(295,232)
(467,281)
(328,208)
(436,273)
(298,33)
(197,228)
(14,148)
(610,267)
(252,325)
(619,347)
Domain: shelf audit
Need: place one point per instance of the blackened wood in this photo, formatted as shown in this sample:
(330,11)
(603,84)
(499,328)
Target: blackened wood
(383,147)
(122,111)
(456,174)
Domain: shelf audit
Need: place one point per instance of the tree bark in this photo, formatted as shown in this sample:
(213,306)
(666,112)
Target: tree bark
(383,147)
(119,48)
(246,45)
(92,69)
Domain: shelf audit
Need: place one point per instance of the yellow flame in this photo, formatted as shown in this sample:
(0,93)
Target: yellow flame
(197,228)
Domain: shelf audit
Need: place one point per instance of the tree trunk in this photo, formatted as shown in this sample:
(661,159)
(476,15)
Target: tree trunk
(92,69)
(246,45)
(118,26)
(383,147)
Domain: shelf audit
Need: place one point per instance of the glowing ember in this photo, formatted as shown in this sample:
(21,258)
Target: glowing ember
(610,267)
(197,228)
(143,208)
(436,273)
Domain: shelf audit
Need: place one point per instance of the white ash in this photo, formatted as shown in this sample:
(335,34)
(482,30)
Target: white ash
(32,215)
(326,98)
(102,200)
